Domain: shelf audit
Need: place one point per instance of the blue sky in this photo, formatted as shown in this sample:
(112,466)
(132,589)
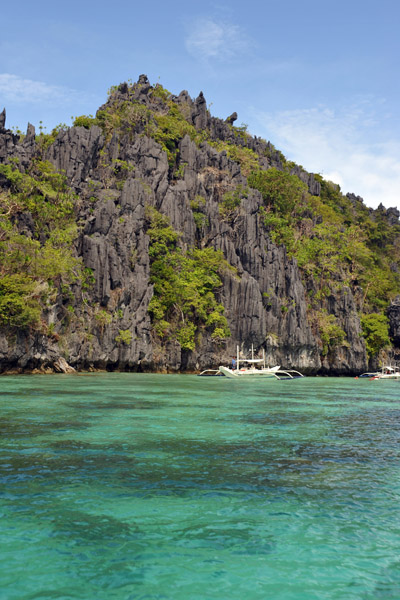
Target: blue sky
(318,78)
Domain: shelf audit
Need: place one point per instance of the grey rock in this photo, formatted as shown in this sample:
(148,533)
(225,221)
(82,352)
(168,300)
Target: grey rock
(232,118)
(200,115)
(76,153)
(61,366)
(30,135)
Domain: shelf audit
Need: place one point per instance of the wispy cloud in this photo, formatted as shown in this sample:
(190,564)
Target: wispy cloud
(27,91)
(209,39)
(344,146)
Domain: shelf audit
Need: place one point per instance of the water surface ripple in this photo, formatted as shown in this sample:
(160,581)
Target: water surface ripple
(131,487)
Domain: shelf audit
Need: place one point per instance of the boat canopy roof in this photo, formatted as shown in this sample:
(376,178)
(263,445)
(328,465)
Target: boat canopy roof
(251,360)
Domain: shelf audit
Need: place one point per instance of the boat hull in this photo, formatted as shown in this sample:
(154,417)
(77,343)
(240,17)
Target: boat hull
(250,373)
(394,376)
(387,372)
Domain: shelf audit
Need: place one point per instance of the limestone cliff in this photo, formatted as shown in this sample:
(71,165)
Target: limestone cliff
(117,172)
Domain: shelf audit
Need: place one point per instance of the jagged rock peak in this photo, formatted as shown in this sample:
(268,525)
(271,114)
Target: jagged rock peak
(143,80)
(391,214)
(3,119)
(30,133)
(354,199)
(184,96)
(232,118)
(123,88)
(200,117)
(200,99)
(142,86)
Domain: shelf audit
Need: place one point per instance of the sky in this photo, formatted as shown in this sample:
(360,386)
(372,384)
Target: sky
(317,78)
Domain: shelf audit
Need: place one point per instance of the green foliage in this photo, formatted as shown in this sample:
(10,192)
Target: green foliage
(332,251)
(163,237)
(124,337)
(247,158)
(17,131)
(86,121)
(160,92)
(35,268)
(185,335)
(87,278)
(335,241)
(103,318)
(180,171)
(198,205)
(43,192)
(375,330)
(127,118)
(111,90)
(332,196)
(19,305)
(44,140)
(232,200)
(279,229)
(242,130)
(171,128)
(341,247)
(200,219)
(329,331)
(281,191)
(121,167)
(284,196)
(184,286)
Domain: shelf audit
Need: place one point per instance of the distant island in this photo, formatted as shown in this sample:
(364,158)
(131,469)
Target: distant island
(156,237)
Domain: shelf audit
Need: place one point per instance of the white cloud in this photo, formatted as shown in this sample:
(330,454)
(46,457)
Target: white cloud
(27,91)
(208,39)
(342,145)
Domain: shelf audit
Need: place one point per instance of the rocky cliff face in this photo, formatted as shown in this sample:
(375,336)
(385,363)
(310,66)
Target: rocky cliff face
(115,178)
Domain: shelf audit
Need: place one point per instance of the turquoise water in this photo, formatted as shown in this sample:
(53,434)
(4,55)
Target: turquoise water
(132,486)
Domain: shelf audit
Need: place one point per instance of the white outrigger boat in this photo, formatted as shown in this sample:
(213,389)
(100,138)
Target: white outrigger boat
(255,368)
(387,373)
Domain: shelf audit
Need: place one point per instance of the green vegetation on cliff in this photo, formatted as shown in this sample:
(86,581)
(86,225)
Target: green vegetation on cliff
(375,329)
(185,286)
(337,242)
(166,122)
(37,233)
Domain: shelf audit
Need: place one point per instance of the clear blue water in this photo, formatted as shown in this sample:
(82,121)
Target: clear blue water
(135,486)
